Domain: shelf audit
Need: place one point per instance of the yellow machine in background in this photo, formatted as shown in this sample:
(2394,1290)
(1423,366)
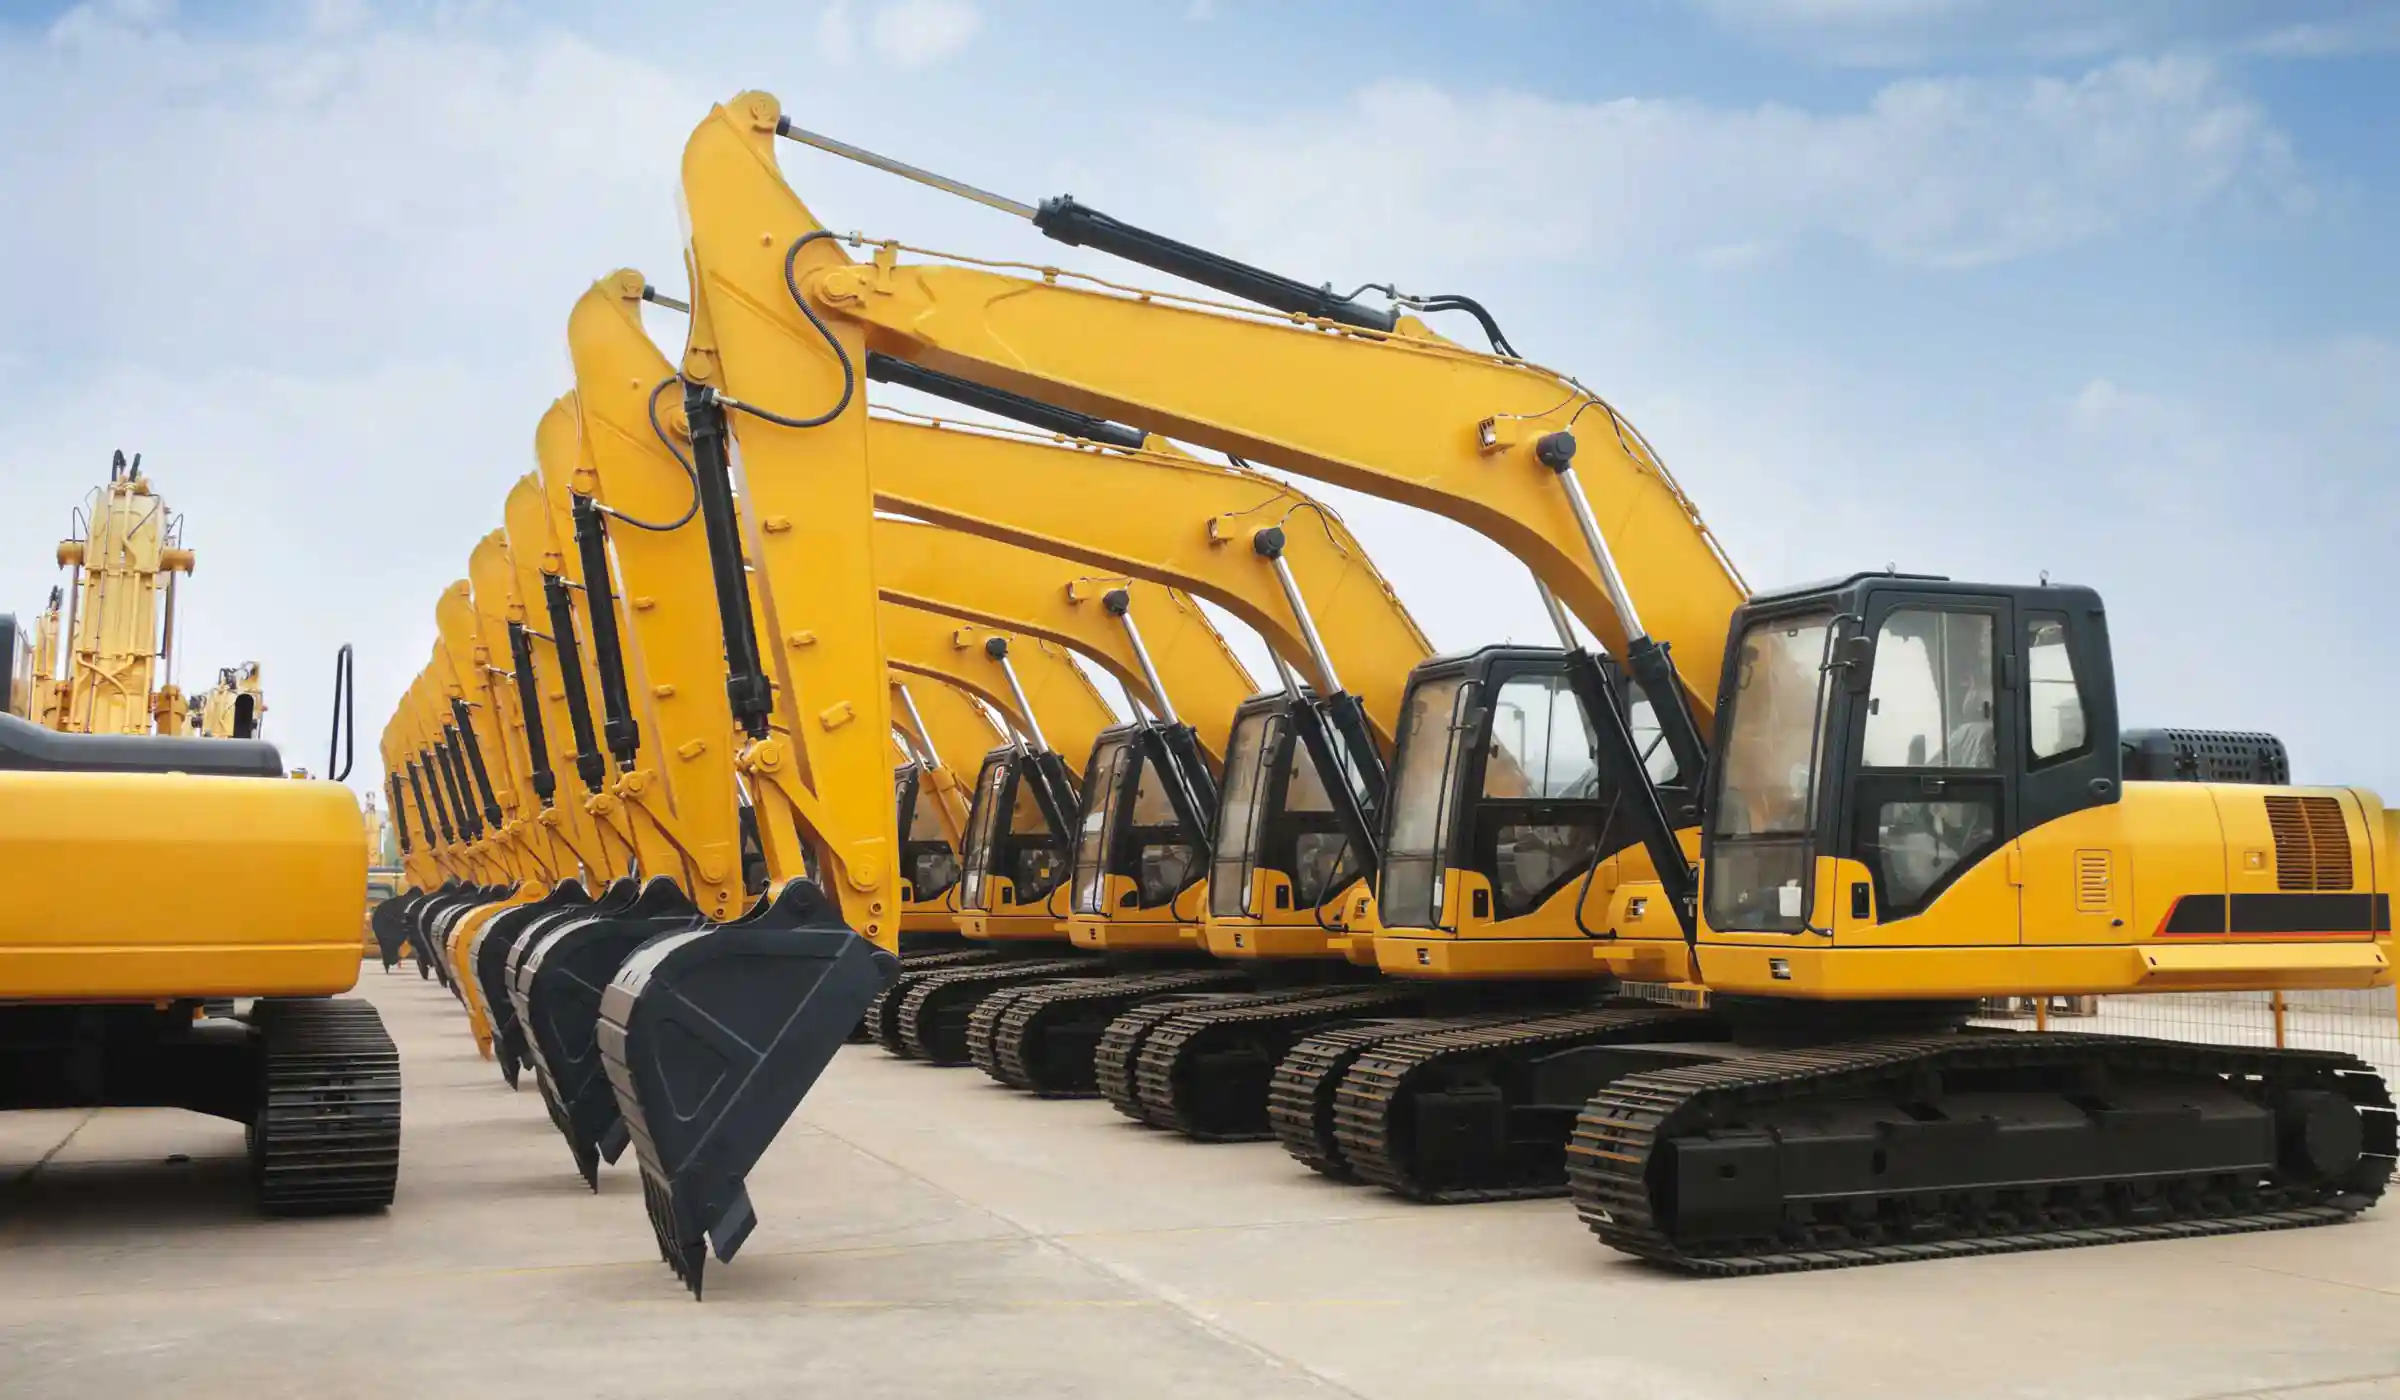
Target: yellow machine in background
(126,557)
(234,708)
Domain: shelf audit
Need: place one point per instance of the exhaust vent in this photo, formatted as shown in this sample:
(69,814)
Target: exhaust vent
(2312,844)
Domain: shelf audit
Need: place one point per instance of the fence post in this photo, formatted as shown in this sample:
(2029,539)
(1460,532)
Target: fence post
(2276,1000)
(2041,1012)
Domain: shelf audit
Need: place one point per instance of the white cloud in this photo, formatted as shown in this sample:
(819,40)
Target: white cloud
(1946,172)
(1909,32)
(837,34)
(920,33)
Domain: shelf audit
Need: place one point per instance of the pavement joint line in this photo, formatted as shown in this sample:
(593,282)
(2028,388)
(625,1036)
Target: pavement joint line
(2274,1392)
(1185,1307)
(26,1176)
(2310,1278)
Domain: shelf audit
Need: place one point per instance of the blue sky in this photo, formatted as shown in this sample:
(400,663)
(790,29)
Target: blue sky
(1983,287)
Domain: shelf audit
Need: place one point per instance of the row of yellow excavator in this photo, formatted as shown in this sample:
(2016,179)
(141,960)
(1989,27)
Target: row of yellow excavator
(182,914)
(1683,917)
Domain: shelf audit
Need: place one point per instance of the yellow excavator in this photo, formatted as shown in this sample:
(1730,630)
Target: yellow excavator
(1893,829)
(100,1000)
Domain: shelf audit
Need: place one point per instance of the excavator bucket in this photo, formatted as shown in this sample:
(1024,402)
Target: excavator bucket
(390,923)
(558,987)
(488,965)
(712,1037)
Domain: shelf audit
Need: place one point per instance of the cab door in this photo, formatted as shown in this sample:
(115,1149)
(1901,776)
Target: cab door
(1930,810)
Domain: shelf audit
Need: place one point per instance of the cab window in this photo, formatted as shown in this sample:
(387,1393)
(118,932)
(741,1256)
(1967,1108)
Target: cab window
(2057,727)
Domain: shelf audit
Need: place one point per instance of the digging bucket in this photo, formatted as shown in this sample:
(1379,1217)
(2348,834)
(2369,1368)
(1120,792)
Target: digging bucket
(712,1037)
(559,985)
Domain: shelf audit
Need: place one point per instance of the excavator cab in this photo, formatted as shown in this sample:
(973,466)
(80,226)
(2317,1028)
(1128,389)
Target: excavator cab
(1498,815)
(1142,834)
(928,864)
(1296,819)
(1017,848)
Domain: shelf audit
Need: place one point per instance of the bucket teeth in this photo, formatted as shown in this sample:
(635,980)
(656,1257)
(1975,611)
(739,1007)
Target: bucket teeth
(558,988)
(710,1037)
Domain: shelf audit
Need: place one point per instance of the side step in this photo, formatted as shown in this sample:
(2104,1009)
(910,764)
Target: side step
(711,1037)
(326,1138)
(1042,1039)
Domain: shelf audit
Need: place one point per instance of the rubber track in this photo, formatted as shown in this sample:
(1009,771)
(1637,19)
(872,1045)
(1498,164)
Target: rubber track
(1164,1079)
(1002,1042)
(1622,1128)
(327,1138)
(881,1023)
(1367,1104)
(916,1027)
(1300,1097)
(1117,1061)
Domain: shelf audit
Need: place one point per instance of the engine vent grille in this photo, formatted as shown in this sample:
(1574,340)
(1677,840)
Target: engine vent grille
(2312,845)
(2093,879)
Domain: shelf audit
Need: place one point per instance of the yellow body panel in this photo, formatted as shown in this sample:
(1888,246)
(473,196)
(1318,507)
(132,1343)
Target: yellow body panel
(2085,904)
(216,887)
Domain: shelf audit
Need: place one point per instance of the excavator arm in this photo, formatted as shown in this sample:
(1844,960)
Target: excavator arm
(808,498)
(1175,650)
(1521,454)
(647,508)
(1163,516)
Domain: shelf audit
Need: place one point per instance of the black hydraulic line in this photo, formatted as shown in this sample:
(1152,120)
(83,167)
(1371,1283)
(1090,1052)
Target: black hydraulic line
(1174,750)
(529,700)
(474,752)
(391,787)
(883,369)
(341,749)
(590,764)
(426,772)
(454,773)
(1323,728)
(1621,767)
(1080,225)
(608,653)
(1653,670)
(745,676)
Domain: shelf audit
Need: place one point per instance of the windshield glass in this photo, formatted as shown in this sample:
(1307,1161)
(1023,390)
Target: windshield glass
(1772,737)
(1409,893)
(983,815)
(1757,875)
(1103,782)
(1238,823)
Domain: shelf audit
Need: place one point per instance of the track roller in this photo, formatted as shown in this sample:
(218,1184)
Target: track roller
(932,1019)
(710,1038)
(1205,1072)
(1042,1038)
(1936,1146)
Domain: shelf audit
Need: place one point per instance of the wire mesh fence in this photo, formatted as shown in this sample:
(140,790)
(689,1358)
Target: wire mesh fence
(2363,1023)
